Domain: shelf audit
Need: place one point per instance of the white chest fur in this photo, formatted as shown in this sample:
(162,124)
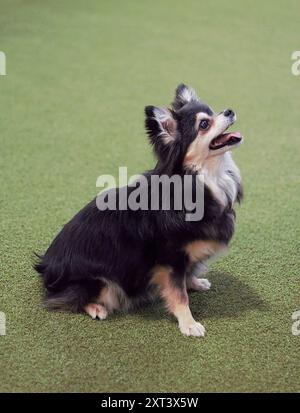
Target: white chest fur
(222,176)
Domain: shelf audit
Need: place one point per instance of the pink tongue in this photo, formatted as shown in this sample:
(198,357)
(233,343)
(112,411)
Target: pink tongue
(226,136)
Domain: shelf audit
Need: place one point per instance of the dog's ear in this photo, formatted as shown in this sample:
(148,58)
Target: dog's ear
(160,125)
(183,95)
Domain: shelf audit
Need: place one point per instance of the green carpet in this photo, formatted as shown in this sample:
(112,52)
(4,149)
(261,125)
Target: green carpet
(79,74)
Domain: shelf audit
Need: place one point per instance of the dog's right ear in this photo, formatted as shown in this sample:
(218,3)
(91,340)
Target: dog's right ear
(161,126)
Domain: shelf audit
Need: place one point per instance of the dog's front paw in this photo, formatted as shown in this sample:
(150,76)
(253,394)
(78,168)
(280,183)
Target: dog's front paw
(198,284)
(192,329)
(202,284)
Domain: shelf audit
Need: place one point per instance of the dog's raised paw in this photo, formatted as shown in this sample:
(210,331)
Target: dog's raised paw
(198,284)
(193,329)
(96,311)
(203,284)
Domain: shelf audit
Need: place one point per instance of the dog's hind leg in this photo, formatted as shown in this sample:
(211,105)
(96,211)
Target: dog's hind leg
(78,298)
(96,311)
(173,291)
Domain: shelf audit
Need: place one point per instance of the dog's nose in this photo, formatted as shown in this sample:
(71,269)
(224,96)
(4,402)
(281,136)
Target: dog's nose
(228,112)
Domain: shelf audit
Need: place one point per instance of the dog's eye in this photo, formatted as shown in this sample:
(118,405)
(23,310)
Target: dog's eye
(204,124)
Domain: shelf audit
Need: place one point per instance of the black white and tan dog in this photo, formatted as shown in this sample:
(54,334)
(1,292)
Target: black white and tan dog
(105,261)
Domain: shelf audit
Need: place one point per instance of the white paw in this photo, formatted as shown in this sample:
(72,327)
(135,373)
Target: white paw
(96,310)
(198,284)
(203,284)
(192,329)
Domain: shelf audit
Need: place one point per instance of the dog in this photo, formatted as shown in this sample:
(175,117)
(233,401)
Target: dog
(109,260)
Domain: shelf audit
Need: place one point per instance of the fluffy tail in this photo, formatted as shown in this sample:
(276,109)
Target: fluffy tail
(65,291)
(73,298)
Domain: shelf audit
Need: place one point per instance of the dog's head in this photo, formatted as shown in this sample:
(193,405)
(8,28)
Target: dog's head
(190,132)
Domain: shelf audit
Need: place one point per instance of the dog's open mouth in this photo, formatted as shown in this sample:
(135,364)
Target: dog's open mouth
(230,138)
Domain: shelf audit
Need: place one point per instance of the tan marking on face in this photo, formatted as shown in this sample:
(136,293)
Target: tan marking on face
(198,152)
(203,250)
(199,149)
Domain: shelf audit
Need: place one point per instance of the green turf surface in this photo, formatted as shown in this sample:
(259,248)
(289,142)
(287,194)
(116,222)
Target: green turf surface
(79,74)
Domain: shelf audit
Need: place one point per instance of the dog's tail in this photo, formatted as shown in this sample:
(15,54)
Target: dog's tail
(73,299)
(65,289)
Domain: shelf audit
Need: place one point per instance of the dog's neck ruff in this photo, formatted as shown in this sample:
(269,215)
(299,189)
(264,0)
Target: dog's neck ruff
(221,175)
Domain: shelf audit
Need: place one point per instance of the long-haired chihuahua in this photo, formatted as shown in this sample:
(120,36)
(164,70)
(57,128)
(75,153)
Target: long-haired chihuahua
(106,260)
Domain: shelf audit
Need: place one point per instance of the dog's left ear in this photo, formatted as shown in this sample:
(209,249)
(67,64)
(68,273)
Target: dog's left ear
(183,95)
(160,125)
